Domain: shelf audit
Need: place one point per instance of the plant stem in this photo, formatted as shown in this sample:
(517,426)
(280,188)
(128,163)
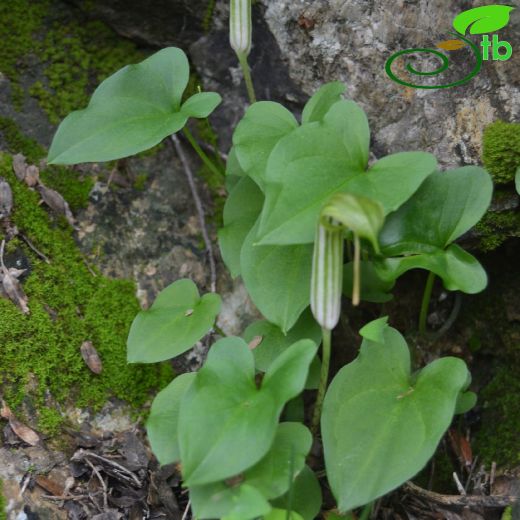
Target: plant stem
(425,305)
(324,377)
(201,153)
(367,510)
(218,330)
(356,282)
(246,71)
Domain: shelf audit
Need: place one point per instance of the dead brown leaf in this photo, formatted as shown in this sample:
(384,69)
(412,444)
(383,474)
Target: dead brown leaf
(19,166)
(6,199)
(25,433)
(255,342)
(91,357)
(32,175)
(56,202)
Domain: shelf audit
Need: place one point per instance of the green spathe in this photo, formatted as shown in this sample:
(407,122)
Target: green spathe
(178,318)
(131,111)
(380,423)
(226,423)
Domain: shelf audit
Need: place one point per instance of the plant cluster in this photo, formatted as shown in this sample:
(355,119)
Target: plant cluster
(302,194)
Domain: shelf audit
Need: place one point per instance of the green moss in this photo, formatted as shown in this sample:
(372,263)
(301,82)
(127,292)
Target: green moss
(40,351)
(70,184)
(501,150)
(17,142)
(495,228)
(77,57)
(508,514)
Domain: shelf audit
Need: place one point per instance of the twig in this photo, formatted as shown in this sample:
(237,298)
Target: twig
(185,514)
(489,501)
(102,482)
(458,483)
(35,249)
(126,473)
(200,211)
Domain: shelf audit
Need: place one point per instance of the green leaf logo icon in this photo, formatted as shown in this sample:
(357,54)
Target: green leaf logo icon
(481,20)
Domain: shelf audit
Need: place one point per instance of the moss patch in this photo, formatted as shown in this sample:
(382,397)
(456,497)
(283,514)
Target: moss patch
(501,150)
(17,142)
(40,352)
(495,228)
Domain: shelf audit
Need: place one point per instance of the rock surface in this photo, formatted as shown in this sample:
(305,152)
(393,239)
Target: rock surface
(351,40)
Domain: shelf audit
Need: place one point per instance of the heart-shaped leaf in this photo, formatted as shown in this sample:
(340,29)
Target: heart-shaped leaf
(273,341)
(270,477)
(484,19)
(459,270)
(226,423)
(240,214)
(445,206)
(318,160)
(161,425)
(304,496)
(131,111)
(369,454)
(262,126)
(362,216)
(178,319)
(319,104)
(277,278)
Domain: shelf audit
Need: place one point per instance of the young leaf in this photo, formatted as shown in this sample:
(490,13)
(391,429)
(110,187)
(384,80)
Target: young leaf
(162,422)
(367,455)
(240,214)
(320,103)
(131,111)
(304,497)
(277,278)
(178,319)
(445,206)
(226,423)
(262,126)
(274,342)
(201,105)
(484,19)
(459,270)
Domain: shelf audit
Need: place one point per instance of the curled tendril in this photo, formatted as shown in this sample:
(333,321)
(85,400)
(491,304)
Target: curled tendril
(441,68)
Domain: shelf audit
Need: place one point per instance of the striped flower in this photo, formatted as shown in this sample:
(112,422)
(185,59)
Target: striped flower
(240,26)
(327,273)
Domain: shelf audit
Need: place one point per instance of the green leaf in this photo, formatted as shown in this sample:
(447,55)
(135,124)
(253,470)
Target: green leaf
(277,278)
(224,412)
(219,500)
(262,126)
(459,270)
(270,478)
(233,167)
(445,206)
(465,402)
(201,105)
(374,288)
(392,180)
(481,20)
(362,216)
(275,342)
(318,160)
(161,425)
(304,497)
(319,104)
(240,214)
(131,111)
(282,514)
(368,455)
(517,180)
(178,318)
